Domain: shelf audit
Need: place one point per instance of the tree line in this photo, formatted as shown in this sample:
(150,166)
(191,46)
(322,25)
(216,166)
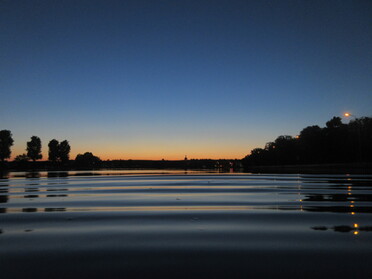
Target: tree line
(334,143)
(58,152)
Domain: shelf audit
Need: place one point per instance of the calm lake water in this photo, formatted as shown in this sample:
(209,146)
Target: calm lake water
(126,224)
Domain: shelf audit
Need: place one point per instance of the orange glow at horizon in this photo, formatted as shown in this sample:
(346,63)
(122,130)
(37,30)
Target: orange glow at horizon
(155,147)
(113,152)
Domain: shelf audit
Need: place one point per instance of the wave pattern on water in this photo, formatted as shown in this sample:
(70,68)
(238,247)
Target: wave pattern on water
(179,219)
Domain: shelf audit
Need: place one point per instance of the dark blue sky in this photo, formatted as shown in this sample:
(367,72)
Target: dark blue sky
(162,79)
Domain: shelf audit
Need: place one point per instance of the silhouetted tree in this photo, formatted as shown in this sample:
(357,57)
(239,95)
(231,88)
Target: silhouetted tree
(270,146)
(6,141)
(360,131)
(64,151)
(285,149)
(311,145)
(335,122)
(21,161)
(257,156)
(336,140)
(335,143)
(59,152)
(87,160)
(21,158)
(34,148)
(270,153)
(53,154)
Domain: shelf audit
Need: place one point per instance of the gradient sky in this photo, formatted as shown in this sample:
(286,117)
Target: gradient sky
(164,79)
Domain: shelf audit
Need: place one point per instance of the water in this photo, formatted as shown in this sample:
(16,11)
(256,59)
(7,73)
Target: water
(173,224)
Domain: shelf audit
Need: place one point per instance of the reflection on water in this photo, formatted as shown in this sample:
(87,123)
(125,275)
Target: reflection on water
(29,209)
(339,209)
(34,209)
(355,228)
(313,193)
(31,196)
(32,189)
(32,174)
(3,198)
(339,197)
(229,223)
(4,174)
(57,209)
(52,174)
(3,190)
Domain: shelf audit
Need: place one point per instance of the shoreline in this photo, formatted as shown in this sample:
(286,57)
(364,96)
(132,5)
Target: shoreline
(340,168)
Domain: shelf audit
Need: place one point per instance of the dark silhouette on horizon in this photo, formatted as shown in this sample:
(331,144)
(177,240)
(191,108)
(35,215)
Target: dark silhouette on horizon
(21,161)
(34,149)
(335,143)
(59,152)
(53,150)
(6,141)
(87,161)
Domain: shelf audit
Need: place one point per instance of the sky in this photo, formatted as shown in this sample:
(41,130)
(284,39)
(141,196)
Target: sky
(163,79)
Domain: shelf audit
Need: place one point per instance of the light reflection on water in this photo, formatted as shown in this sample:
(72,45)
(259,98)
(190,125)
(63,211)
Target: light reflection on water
(247,214)
(100,189)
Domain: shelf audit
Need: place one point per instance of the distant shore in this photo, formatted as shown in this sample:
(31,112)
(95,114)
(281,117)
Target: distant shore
(221,165)
(342,168)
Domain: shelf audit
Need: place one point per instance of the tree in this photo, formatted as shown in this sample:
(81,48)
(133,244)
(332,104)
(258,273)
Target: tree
(34,148)
(286,149)
(335,122)
(53,154)
(21,161)
(6,141)
(360,131)
(59,151)
(64,151)
(270,146)
(312,144)
(87,160)
(335,143)
(21,158)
